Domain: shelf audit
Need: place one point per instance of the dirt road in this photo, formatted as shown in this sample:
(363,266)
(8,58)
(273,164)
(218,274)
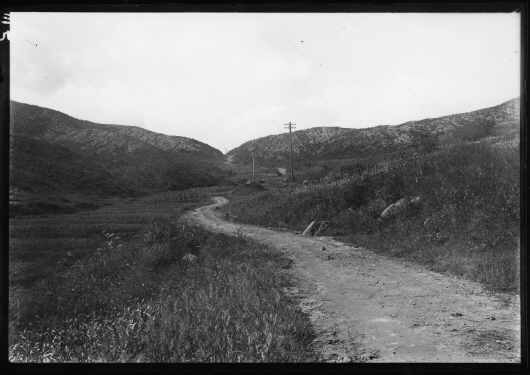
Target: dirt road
(378,309)
(229,159)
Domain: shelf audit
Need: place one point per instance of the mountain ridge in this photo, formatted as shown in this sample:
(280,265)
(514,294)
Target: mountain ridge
(336,142)
(84,135)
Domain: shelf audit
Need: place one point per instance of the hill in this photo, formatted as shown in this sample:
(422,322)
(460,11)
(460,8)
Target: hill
(414,136)
(54,155)
(92,138)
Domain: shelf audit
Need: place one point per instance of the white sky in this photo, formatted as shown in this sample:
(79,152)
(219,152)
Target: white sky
(226,78)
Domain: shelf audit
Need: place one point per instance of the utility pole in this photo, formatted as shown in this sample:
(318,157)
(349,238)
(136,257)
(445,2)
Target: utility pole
(253,175)
(291,138)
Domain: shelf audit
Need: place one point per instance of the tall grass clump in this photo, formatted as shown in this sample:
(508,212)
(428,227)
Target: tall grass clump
(467,222)
(139,301)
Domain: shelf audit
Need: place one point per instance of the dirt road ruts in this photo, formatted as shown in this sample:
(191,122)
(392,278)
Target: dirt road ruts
(378,309)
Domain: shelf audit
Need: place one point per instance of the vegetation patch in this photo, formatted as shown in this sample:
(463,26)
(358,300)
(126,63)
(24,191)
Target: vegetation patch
(248,189)
(467,222)
(114,296)
(489,342)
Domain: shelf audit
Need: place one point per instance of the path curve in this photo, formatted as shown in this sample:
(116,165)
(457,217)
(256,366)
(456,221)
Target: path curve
(379,309)
(229,159)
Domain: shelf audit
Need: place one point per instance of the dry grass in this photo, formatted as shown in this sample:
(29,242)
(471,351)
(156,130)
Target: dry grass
(133,299)
(468,223)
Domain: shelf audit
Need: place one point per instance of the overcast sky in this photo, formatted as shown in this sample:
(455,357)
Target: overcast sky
(226,78)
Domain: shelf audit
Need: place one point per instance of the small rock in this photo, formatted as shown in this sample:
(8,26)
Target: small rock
(456,314)
(69,255)
(398,207)
(489,317)
(189,258)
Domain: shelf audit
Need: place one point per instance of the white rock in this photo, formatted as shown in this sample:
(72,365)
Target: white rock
(189,258)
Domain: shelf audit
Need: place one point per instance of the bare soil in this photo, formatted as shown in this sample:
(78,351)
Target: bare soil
(370,308)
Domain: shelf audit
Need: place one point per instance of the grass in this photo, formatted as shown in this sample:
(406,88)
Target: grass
(124,294)
(468,223)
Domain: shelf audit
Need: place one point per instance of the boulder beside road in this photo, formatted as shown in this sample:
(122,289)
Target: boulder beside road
(315,228)
(398,207)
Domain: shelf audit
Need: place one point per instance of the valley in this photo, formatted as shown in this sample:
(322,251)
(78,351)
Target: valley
(114,243)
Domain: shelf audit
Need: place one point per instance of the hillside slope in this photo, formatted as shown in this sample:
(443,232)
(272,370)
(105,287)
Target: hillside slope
(41,167)
(423,135)
(53,153)
(88,137)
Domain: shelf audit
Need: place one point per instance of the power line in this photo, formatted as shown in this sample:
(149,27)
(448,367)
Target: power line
(253,175)
(289,125)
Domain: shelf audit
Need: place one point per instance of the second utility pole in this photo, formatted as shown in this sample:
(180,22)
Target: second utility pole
(291,138)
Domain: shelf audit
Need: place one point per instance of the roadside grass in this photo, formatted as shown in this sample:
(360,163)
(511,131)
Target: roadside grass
(468,223)
(39,245)
(129,296)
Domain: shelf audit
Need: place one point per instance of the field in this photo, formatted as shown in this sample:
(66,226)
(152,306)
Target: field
(111,285)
